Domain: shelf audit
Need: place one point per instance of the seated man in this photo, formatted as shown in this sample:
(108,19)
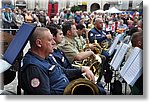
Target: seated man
(80,41)
(58,36)
(68,45)
(58,54)
(137,41)
(98,34)
(39,75)
(121,29)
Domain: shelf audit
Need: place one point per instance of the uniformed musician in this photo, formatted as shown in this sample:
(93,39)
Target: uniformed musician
(80,41)
(68,45)
(98,34)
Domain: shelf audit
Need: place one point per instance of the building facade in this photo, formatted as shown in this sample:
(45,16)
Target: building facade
(85,5)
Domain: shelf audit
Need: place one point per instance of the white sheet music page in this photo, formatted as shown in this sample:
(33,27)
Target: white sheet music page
(133,67)
(119,55)
(114,44)
(4,65)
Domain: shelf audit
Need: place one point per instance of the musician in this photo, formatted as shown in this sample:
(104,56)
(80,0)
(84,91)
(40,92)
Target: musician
(128,37)
(58,54)
(137,41)
(39,75)
(58,36)
(98,34)
(80,41)
(68,45)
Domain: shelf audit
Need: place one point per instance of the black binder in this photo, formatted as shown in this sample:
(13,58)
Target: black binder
(18,43)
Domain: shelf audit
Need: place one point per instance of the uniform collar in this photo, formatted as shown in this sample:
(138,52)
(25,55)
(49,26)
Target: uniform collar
(98,30)
(37,56)
(69,40)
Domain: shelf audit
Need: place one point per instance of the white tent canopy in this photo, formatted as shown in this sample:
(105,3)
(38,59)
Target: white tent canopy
(100,11)
(113,10)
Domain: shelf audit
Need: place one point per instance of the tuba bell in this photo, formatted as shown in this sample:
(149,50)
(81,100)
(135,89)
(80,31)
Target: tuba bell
(81,87)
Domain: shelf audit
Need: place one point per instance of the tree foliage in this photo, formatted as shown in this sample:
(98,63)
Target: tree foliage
(75,8)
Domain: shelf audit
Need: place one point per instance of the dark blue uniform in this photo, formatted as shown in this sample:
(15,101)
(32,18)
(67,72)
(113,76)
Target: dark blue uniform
(45,76)
(61,59)
(100,36)
(39,76)
(58,57)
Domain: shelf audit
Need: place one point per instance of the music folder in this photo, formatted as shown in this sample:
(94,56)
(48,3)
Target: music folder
(119,55)
(114,44)
(18,43)
(133,68)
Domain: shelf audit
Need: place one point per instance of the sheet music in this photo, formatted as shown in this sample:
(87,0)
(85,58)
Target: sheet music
(4,65)
(114,44)
(119,55)
(133,67)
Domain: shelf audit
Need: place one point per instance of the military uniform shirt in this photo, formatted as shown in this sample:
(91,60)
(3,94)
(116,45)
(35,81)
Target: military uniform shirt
(68,46)
(79,42)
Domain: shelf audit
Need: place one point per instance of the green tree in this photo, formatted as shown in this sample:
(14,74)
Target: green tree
(75,8)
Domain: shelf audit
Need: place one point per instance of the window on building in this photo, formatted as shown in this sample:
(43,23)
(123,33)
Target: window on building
(130,5)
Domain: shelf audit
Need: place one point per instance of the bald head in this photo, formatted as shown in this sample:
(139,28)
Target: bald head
(99,19)
(39,33)
(42,42)
(98,23)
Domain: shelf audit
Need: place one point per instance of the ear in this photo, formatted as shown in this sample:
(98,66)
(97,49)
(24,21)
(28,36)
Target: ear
(139,43)
(39,42)
(68,32)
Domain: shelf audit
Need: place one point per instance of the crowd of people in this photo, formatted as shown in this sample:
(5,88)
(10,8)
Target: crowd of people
(58,42)
(13,18)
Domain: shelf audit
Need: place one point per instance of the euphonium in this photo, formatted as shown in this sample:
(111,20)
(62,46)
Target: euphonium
(104,45)
(81,87)
(94,67)
(96,48)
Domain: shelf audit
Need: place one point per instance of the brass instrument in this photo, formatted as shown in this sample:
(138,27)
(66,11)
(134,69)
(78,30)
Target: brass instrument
(94,67)
(104,45)
(93,62)
(97,49)
(81,87)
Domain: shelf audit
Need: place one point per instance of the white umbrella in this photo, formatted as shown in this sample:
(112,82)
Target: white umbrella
(113,10)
